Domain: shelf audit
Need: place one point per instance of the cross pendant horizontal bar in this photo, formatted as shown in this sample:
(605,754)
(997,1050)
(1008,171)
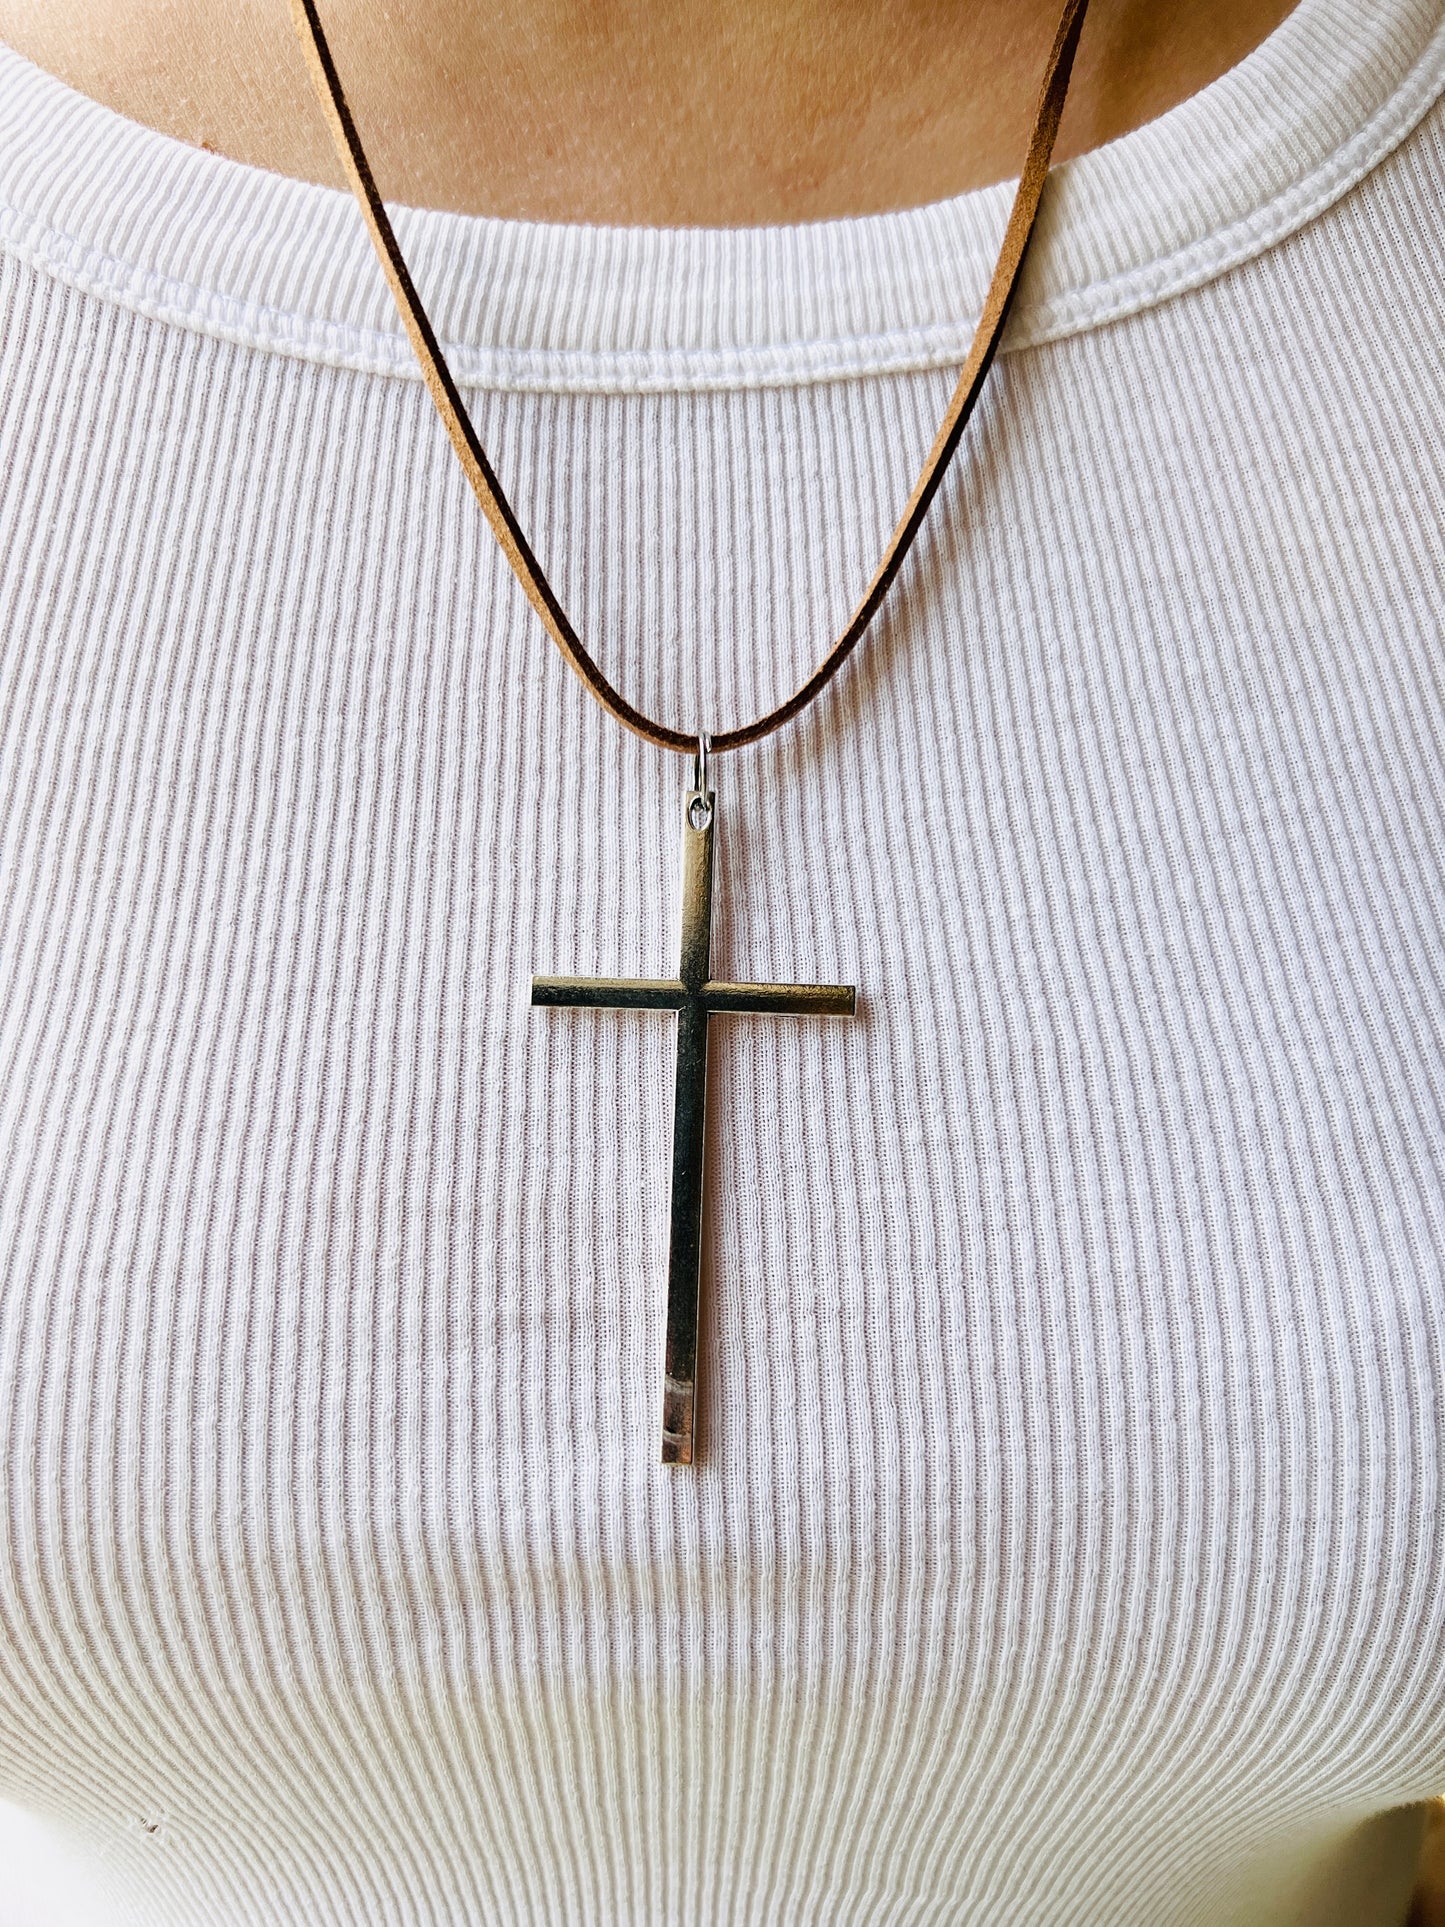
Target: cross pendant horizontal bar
(695,998)
(626,993)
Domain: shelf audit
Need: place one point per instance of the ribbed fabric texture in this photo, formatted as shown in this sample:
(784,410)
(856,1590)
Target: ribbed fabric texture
(1067,1545)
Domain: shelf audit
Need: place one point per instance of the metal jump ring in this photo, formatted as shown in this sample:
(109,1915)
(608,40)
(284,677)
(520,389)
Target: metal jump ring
(700,760)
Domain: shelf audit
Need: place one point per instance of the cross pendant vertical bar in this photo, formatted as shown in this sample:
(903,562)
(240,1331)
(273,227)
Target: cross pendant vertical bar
(696,998)
(689,1130)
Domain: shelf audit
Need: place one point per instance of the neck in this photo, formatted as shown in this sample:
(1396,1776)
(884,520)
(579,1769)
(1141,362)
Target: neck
(653,112)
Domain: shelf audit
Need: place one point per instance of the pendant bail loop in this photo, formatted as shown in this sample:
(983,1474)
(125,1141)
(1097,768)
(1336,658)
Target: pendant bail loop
(700,763)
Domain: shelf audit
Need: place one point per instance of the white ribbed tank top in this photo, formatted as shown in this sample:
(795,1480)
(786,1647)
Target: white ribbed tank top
(1068,1545)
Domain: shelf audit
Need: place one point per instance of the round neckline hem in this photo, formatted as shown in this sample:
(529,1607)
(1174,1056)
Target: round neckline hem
(202,242)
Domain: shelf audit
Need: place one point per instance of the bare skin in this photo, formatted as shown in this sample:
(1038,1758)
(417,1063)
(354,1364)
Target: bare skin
(654,112)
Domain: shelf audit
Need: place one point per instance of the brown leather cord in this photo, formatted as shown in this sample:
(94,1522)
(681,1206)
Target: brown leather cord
(488,490)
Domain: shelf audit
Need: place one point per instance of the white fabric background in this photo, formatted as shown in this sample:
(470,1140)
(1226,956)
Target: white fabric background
(1068,1543)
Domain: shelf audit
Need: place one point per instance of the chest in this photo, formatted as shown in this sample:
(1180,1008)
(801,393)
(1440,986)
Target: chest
(1070,1319)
